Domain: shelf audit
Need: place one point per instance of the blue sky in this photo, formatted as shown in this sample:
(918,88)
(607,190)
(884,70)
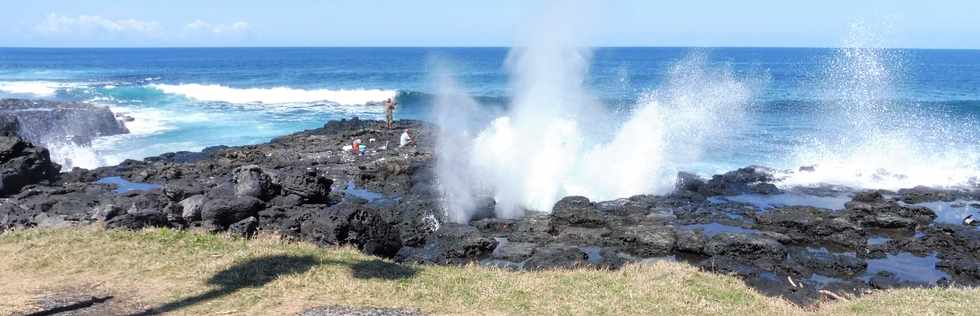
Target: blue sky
(101,23)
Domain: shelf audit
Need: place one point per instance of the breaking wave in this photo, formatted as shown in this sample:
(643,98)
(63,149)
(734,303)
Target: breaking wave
(276,95)
(33,88)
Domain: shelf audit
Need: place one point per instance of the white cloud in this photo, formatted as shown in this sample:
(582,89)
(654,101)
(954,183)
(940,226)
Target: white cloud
(55,24)
(204,26)
(109,31)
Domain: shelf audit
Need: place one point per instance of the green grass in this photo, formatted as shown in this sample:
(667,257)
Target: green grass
(185,272)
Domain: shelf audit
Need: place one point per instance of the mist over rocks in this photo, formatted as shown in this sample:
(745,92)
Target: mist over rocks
(386,202)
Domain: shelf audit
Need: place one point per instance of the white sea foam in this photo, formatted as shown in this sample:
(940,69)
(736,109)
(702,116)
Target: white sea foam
(70,155)
(277,95)
(149,121)
(35,88)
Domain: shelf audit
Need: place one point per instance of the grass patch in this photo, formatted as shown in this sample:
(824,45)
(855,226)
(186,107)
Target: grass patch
(185,272)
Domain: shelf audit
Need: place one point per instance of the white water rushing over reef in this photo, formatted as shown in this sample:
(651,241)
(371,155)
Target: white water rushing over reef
(555,139)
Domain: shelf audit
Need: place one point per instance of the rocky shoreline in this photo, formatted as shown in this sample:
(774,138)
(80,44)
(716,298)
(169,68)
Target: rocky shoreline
(305,187)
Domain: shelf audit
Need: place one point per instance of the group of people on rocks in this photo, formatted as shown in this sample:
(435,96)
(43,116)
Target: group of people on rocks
(357,148)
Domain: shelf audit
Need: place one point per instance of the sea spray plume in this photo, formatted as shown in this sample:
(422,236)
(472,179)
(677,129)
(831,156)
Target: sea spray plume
(874,139)
(554,140)
(529,154)
(697,107)
(531,165)
(456,115)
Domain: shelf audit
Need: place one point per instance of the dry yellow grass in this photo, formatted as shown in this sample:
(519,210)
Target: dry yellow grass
(184,272)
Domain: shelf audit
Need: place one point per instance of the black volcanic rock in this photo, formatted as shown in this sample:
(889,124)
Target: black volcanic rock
(745,246)
(219,213)
(888,214)
(22,164)
(576,211)
(752,179)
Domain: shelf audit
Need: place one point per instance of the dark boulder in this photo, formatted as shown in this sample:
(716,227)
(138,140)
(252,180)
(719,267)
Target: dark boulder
(417,219)
(137,221)
(451,244)
(254,181)
(191,207)
(557,257)
(576,211)
(584,235)
(871,196)
(513,251)
(146,203)
(177,190)
(106,212)
(647,240)
(749,179)
(373,230)
(219,213)
(22,164)
(922,194)
(245,228)
(15,216)
(888,214)
(749,246)
(532,228)
(809,224)
(308,185)
(689,182)
(690,240)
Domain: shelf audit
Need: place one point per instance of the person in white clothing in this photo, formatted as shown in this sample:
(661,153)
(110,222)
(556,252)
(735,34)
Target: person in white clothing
(406,139)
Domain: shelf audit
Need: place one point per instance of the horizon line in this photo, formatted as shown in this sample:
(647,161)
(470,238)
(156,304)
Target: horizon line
(477,46)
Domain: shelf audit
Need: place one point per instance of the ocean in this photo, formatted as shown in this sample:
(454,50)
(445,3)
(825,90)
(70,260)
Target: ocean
(865,117)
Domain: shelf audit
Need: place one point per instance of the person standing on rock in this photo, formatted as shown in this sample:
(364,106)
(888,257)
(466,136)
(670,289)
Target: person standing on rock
(390,111)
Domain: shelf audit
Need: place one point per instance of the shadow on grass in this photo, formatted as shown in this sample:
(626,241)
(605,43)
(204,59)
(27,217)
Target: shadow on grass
(380,269)
(259,272)
(72,307)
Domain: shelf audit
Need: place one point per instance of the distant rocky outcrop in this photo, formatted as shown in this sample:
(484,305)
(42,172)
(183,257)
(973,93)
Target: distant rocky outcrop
(46,122)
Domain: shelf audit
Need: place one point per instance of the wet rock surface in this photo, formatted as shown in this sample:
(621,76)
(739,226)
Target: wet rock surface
(384,201)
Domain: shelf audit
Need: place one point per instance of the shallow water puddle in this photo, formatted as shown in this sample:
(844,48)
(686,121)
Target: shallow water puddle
(821,281)
(364,194)
(594,254)
(764,202)
(878,240)
(907,267)
(824,250)
(123,185)
(952,212)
